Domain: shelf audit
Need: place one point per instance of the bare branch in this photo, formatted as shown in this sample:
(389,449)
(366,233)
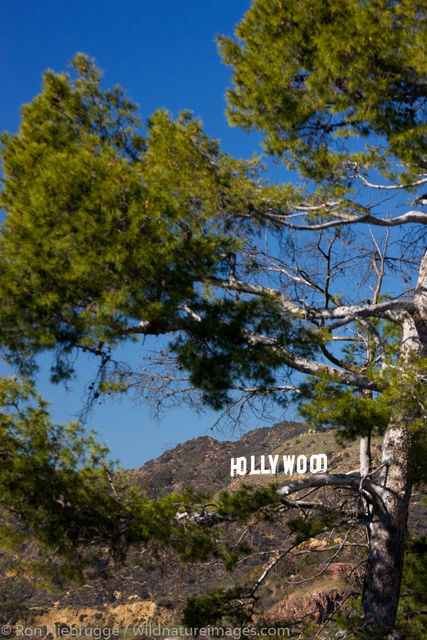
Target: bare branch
(284,553)
(376,491)
(356,311)
(246,287)
(155,328)
(327,565)
(306,504)
(202,517)
(311,366)
(318,207)
(345,219)
(375,336)
(393,187)
(346,312)
(272,564)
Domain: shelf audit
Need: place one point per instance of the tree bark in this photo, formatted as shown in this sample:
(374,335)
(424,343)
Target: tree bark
(387,531)
(365,455)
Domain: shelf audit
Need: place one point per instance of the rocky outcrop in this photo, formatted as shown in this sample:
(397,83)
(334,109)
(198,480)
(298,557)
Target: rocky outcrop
(317,605)
(339,581)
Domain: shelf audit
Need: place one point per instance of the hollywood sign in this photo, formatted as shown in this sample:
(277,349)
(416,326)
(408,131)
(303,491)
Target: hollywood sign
(274,464)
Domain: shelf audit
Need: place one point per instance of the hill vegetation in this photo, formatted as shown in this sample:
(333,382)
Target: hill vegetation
(144,591)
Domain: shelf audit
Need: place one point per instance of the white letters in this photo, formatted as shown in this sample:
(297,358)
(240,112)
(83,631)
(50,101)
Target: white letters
(238,467)
(273,463)
(318,463)
(288,464)
(302,464)
(269,465)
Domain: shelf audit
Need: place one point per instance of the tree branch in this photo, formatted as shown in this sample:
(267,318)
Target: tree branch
(234,284)
(349,312)
(376,491)
(311,366)
(345,219)
(394,187)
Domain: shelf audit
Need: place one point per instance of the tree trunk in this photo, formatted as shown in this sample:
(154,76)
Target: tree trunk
(365,455)
(387,530)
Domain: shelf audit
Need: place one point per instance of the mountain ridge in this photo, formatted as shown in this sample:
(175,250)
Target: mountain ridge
(174,471)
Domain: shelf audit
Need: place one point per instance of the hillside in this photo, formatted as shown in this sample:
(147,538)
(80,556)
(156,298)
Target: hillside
(204,463)
(156,590)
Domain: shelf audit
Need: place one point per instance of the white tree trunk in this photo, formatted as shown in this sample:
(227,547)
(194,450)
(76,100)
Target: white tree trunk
(388,529)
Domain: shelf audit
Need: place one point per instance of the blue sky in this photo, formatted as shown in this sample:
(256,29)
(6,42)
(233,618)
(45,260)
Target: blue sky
(163,53)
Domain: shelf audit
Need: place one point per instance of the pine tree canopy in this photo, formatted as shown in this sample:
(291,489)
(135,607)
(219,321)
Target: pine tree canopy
(60,491)
(105,227)
(313,76)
